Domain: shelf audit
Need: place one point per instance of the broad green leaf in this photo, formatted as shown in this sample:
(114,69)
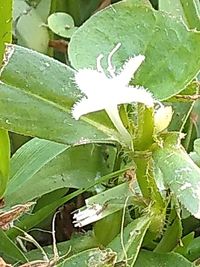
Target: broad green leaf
(164,41)
(30,29)
(36,97)
(42,166)
(90,258)
(180,173)
(6,25)
(152,259)
(8,249)
(133,234)
(4,160)
(61,24)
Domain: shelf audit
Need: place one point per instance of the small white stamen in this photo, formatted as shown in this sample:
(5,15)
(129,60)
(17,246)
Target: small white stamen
(110,68)
(99,67)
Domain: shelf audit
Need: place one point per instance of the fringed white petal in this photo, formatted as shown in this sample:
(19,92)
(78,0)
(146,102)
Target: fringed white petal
(129,69)
(87,80)
(85,106)
(131,94)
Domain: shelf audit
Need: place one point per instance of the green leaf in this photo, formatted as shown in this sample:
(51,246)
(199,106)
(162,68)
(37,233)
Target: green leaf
(180,173)
(183,246)
(26,181)
(8,249)
(5,37)
(41,166)
(76,244)
(187,9)
(36,97)
(4,160)
(170,237)
(90,258)
(30,29)
(6,25)
(181,112)
(106,229)
(152,259)
(173,7)
(164,41)
(193,249)
(62,24)
(133,235)
(191,10)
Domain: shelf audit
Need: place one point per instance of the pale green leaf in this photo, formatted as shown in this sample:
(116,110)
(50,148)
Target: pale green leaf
(30,26)
(152,259)
(133,234)
(62,24)
(180,173)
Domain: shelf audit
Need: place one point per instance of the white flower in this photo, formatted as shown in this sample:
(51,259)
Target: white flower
(108,91)
(87,216)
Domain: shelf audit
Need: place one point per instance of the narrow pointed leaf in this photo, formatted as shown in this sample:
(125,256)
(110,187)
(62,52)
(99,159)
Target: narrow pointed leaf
(133,235)
(41,166)
(9,250)
(4,160)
